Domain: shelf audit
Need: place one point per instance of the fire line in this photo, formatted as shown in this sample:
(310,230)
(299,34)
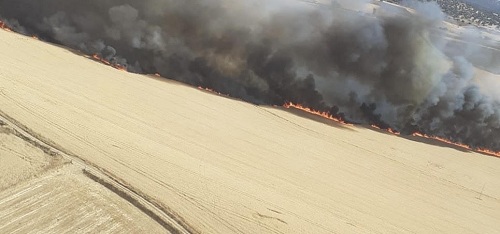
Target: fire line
(390,130)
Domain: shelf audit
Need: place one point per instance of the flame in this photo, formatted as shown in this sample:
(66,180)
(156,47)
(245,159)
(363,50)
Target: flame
(390,130)
(120,67)
(323,114)
(489,152)
(5,27)
(106,62)
(212,91)
(464,146)
(461,145)
(289,105)
(98,58)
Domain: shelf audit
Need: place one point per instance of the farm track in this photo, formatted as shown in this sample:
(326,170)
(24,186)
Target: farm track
(40,190)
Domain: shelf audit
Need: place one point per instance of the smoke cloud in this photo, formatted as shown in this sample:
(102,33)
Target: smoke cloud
(386,66)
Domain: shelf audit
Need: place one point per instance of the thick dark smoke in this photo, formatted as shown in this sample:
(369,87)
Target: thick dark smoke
(390,67)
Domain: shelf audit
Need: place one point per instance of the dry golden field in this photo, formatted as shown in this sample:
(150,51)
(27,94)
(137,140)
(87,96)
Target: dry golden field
(214,164)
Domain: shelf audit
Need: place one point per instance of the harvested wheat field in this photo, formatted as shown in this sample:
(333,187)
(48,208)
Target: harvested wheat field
(65,201)
(218,165)
(41,192)
(21,160)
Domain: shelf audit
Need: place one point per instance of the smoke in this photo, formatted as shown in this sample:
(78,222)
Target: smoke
(383,66)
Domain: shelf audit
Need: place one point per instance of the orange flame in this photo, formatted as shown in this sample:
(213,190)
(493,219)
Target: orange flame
(323,114)
(98,58)
(120,67)
(390,130)
(417,134)
(461,145)
(106,62)
(212,91)
(489,152)
(5,27)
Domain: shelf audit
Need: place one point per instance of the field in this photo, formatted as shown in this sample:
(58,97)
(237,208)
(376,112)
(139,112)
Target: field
(65,201)
(41,192)
(218,165)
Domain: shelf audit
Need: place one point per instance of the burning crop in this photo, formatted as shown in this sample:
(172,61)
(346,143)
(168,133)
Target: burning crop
(98,58)
(390,68)
(323,114)
(329,116)
(4,26)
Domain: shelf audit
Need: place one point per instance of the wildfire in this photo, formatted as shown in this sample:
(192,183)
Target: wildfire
(119,67)
(417,134)
(489,152)
(289,105)
(5,27)
(464,146)
(389,130)
(211,91)
(323,114)
(106,62)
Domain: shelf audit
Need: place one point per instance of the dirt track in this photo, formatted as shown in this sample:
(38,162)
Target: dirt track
(65,201)
(70,186)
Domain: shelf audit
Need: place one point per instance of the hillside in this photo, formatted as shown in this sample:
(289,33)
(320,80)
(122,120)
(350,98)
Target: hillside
(224,166)
(491,5)
(477,12)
